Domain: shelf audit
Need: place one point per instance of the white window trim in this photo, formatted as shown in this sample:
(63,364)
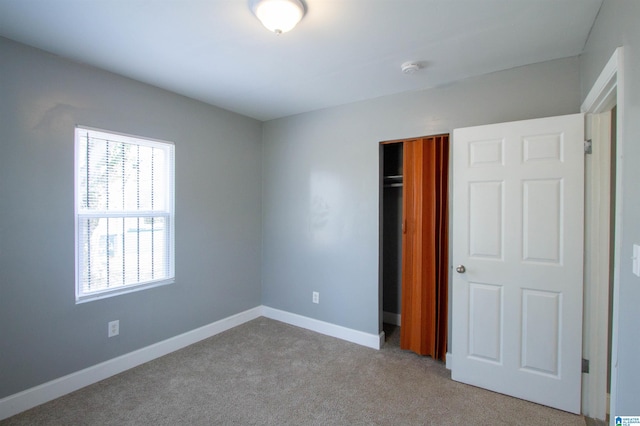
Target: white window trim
(169,213)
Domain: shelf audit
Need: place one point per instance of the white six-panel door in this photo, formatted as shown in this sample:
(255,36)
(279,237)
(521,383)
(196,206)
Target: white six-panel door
(518,232)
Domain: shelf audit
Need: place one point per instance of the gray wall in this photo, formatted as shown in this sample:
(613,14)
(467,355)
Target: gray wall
(618,25)
(321,182)
(43,333)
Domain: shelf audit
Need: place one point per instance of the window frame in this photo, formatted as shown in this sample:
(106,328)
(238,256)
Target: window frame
(79,214)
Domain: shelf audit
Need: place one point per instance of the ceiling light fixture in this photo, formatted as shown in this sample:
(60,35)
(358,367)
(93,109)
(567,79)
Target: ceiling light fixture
(278,16)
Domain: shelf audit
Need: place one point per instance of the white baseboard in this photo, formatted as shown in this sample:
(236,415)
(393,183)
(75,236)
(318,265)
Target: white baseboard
(391,318)
(16,403)
(361,338)
(448,360)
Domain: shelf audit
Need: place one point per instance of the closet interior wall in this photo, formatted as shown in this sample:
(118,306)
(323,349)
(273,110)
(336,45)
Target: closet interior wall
(392,232)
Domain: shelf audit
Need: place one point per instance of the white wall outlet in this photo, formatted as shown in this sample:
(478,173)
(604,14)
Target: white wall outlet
(114,328)
(636,259)
(316,297)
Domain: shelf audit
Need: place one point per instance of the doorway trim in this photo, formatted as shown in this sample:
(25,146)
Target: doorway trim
(607,92)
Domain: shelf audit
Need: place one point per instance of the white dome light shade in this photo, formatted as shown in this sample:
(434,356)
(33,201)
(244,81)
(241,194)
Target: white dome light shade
(279,16)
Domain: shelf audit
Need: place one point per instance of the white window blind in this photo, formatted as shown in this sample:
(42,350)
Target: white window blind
(124,213)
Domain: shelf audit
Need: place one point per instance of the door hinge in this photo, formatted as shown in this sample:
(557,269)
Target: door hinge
(585,365)
(588,146)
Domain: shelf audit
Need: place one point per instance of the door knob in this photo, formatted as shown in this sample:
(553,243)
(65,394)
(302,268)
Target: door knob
(461,269)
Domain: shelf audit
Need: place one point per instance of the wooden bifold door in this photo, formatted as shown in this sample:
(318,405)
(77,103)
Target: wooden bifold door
(425,245)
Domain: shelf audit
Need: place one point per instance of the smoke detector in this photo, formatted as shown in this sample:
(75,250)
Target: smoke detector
(410,67)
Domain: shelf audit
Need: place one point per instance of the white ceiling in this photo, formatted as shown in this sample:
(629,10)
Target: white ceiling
(342,51)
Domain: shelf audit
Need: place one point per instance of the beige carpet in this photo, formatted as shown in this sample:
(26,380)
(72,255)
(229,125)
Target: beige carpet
(268,373)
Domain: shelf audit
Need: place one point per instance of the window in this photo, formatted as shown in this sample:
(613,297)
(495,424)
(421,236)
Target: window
(124,203)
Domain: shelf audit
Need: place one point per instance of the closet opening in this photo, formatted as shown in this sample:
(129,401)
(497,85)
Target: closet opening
(391,250)
(414,243)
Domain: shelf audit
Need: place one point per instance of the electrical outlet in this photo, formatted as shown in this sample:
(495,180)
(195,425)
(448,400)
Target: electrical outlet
(114,328)
(316,297)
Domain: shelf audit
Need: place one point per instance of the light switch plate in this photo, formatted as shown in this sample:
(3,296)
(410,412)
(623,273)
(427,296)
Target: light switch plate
(636,259)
